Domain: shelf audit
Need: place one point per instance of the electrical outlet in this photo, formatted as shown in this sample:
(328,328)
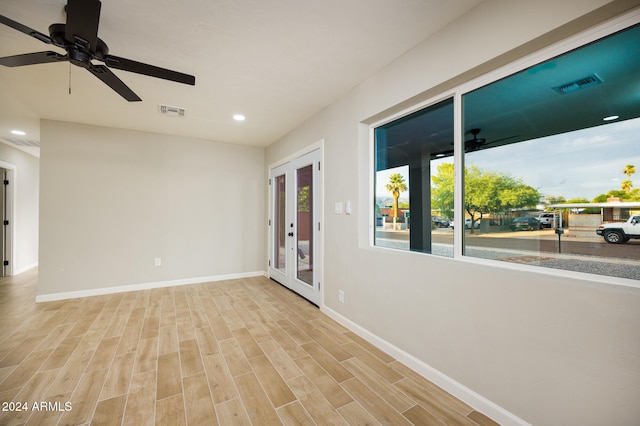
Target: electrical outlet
(158,261)
(340,296)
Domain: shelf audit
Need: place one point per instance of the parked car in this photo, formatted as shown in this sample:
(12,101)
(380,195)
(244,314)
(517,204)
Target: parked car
(525,224)
(617,233)
(440,222)
(548,220)
(467,224)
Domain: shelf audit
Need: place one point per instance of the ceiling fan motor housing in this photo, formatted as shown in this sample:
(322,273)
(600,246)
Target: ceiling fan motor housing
(80,52)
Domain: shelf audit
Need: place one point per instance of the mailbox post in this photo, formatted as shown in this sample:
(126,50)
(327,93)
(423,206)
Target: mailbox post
(559,231)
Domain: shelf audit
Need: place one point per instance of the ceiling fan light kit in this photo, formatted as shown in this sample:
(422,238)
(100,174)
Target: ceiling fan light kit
(79,38)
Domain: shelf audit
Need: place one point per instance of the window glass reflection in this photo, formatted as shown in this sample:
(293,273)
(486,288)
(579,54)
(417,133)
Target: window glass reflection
(550,157)
(410,151)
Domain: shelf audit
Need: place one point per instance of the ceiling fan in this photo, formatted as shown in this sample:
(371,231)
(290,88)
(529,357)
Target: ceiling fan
(476,143)
(79,38)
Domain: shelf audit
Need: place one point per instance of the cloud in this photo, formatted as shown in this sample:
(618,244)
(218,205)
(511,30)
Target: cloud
(583,163)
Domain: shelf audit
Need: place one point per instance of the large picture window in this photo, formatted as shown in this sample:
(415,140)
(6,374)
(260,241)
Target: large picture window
(550,153)
(549,167)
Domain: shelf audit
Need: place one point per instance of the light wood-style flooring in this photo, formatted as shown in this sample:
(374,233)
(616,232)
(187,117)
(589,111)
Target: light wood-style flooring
(245,351)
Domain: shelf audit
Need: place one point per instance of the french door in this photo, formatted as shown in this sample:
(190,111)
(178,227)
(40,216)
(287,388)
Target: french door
(294,254)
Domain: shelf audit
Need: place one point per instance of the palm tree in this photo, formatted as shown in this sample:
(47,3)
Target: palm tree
(628,170)
(396,185)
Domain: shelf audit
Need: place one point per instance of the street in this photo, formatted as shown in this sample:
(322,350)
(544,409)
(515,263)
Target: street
(546,241)
(591,255)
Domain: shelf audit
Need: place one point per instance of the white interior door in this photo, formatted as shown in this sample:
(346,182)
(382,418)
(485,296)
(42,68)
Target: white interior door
(294,255)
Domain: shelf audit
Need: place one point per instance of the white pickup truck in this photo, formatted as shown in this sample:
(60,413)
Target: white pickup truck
(548,220)
(618,233)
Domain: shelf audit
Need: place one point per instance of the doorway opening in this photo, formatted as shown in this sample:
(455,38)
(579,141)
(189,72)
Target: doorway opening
(6,221)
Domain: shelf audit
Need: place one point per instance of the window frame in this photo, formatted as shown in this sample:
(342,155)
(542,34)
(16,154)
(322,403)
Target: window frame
(372,164)
(559,48)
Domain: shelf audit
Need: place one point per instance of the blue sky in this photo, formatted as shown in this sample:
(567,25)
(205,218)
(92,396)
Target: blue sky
(584,163)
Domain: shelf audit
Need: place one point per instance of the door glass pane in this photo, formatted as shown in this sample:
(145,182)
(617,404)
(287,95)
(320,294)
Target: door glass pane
(304,212)
(280,229)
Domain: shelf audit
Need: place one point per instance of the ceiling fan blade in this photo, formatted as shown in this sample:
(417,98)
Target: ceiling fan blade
(83,17)
(111,80)
(24,29)
(150,70)
(32,59)
(504,139)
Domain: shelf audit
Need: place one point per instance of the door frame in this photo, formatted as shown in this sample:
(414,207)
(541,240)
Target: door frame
(10,207)
(319,200)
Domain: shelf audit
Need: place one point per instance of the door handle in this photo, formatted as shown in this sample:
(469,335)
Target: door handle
(290,234)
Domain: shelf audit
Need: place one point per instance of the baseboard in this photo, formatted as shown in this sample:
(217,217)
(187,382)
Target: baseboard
(144,286)
(473,399)
(24,269)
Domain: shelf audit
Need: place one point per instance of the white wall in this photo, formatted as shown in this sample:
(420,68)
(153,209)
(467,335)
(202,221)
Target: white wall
(547,349)
(26,169)
(114,200)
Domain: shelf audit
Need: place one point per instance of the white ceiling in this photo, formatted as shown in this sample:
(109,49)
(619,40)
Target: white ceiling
(278,62)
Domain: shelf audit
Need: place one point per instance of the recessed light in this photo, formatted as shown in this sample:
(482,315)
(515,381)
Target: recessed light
(239,117)
(611,118)
(18,132)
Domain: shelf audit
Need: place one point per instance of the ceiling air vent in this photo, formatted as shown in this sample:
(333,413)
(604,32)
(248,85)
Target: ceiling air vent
(171,111)
(583,83)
